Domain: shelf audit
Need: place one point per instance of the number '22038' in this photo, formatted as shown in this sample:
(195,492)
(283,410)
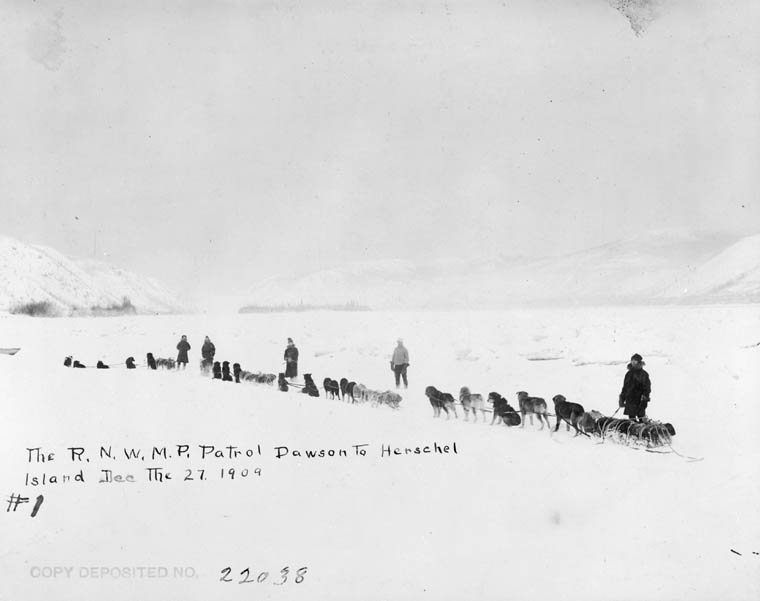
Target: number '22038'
(248,577)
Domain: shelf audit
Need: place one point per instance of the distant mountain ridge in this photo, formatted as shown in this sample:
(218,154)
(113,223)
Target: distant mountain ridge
(31,273)
(667,266)
(734,273)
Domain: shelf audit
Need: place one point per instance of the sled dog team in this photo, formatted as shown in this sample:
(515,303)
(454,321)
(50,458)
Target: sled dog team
(634,396)
(345,390)
(572,414)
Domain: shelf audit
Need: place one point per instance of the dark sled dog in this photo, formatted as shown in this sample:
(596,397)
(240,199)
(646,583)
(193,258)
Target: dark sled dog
(440,400)
(282,383)
(309,387)
(567,412)
(350,391)
(332,388)
(503,412)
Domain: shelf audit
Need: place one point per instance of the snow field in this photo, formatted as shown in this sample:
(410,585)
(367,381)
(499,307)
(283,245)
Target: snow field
(515,514)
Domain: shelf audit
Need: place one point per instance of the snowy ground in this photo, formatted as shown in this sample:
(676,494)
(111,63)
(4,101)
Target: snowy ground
(515,514)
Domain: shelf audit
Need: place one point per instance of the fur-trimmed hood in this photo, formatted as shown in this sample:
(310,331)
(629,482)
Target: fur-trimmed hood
(641,363)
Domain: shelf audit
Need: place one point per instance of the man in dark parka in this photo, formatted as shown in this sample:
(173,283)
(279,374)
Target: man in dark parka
(291,360)
(636,389)
(182,346)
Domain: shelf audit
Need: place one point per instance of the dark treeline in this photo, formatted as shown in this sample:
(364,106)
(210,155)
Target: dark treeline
(350,306)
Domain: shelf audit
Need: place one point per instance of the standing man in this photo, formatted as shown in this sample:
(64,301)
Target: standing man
(208,350)
(399,363)
(291,360)
(636,389)
(182,346)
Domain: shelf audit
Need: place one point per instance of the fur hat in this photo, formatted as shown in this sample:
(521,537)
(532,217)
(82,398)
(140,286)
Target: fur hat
(290,341)
(637,357)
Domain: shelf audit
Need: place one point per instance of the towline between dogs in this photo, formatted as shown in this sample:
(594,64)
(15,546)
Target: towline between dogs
(362,450)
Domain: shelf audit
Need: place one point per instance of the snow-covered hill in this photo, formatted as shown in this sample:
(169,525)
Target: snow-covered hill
(657,267)
(732,275)
(32,273)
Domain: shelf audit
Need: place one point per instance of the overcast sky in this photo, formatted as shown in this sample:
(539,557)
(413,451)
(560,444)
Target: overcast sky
(211,143)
